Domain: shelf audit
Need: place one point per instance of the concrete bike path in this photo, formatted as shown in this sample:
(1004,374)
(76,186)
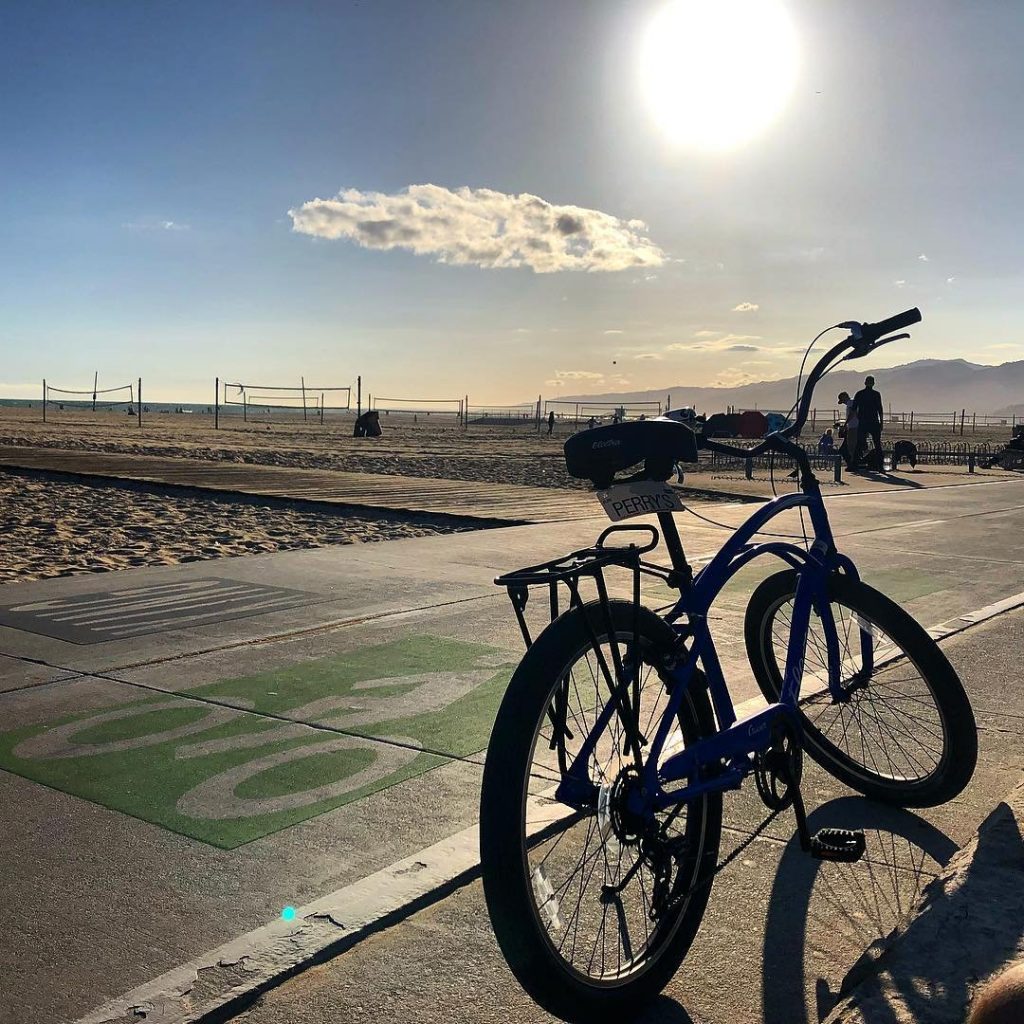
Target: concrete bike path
(158,800)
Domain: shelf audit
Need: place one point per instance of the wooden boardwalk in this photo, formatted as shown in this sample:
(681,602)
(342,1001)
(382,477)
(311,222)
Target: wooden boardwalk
(510,503)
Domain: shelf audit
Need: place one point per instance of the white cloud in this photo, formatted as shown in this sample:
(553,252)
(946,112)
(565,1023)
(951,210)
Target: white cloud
(726,343)
(707,334)
(554,383)
(733,378)
(481,227)
(578,375)
(900,283)
(613,332)
(746,307)
(923,258)
(651,356)
(950,280)
(154,224)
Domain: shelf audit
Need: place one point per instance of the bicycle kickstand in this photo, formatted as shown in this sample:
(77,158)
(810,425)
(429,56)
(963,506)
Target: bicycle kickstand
(838,844)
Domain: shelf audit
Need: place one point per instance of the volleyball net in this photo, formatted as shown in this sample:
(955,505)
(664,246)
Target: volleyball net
(581,412)
(438,409)
(59,402)
(522,414)
(266,403)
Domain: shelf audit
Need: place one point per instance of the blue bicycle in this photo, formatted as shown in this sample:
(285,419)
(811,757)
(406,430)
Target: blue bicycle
(601,804)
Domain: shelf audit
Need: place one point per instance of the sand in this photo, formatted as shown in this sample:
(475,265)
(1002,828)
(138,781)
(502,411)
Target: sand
(434,449)
(53,527)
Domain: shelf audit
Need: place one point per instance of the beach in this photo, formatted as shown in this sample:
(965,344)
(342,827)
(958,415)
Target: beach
(432,447)
(54,526)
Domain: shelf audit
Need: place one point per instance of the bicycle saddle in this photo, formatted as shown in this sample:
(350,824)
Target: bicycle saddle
(598,454)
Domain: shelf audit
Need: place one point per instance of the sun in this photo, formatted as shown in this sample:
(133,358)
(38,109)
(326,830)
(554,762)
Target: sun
(716,73)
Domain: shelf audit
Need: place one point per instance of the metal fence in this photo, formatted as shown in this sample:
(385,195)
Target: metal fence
(831,466)
(958,421)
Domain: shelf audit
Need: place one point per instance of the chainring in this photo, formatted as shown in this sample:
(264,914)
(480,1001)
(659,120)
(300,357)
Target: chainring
(777,771)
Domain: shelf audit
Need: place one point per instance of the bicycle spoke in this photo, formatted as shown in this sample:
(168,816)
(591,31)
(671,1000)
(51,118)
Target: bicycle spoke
(573,866)
(888,723)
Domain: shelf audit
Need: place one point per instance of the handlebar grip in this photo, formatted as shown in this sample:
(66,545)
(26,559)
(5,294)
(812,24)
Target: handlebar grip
(872,332)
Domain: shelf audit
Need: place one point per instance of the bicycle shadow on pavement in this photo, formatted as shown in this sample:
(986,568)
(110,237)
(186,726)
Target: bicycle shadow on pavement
(971,925)
(664,1010)
(827,923)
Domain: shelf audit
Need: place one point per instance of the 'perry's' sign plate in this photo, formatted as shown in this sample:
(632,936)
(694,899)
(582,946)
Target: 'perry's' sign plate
(643,498)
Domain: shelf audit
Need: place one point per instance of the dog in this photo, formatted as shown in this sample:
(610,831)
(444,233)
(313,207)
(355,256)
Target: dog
(904,451)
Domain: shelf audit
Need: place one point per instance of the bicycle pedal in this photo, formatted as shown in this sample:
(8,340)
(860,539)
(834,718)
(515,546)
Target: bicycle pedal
(838,844)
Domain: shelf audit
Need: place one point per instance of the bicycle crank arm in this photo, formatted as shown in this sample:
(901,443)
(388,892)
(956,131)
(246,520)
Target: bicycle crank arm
(842,845)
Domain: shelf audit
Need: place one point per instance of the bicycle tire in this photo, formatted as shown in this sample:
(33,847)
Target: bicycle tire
(508,877)
(824,730)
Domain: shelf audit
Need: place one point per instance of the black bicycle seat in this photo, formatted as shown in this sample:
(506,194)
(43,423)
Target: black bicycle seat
(598,454)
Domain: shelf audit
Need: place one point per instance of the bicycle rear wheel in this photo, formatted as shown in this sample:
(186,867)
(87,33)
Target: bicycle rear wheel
(593,910)
(904,731)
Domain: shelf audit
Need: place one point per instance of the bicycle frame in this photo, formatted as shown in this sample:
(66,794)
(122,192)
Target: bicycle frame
(721,761)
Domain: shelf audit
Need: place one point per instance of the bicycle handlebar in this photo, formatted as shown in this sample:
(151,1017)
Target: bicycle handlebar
(872,332)
(863,339)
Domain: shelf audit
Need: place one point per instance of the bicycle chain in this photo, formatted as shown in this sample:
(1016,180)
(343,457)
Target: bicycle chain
(657,912)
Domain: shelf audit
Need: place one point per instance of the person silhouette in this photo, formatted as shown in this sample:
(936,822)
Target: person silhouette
(868,404)
(850,447)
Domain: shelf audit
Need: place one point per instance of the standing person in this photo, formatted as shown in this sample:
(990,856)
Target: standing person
(851,431)
(591,423)
(868,404)
(551,421)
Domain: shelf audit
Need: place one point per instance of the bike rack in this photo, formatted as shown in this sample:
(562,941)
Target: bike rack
(571,569)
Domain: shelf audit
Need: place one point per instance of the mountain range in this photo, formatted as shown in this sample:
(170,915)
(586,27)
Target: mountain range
(925,385)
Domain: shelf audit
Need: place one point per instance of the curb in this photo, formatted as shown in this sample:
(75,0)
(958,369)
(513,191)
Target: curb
(968,924)
(223,982)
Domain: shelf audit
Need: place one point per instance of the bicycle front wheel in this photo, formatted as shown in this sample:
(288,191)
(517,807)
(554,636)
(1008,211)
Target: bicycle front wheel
(901,728)
(593,910)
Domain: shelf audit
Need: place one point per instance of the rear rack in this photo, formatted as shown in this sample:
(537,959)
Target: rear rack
(571,569)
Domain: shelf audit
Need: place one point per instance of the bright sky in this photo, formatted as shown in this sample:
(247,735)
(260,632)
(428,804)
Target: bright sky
(500,199)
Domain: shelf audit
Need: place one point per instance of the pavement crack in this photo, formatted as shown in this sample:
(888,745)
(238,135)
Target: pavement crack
(412,869)
(326,915)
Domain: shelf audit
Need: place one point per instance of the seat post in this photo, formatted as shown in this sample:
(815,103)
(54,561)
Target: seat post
(680,566)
